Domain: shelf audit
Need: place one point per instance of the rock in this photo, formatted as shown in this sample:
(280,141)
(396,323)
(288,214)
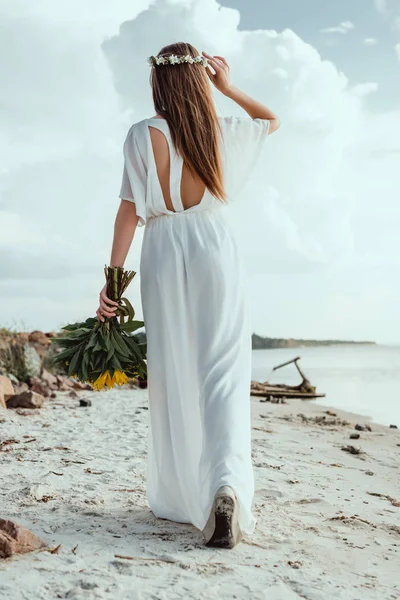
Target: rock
(21,387)
(26,400)
(14,380)
(6,390)
(38,337)
(64,387)
(354,436)
(73,394)
(38,386)
(27,412)
(16,539)
(49,379)
(53,395)
(393,426)
(78,385)
(359,427)
(85,402)
(32,360)
(22,336)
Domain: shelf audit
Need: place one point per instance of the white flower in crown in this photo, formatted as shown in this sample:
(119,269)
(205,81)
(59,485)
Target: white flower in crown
(173,59)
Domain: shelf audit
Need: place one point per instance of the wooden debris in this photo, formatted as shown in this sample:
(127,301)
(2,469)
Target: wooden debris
(147,558)
(353,517)
(263,429)
(7,443)
(386,497)
(352,450)
(272,393)
(362,427)
(89,470)
(322,420)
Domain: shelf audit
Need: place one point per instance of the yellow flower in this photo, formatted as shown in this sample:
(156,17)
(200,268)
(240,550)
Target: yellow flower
(109,381)
(119,378)
(100,381)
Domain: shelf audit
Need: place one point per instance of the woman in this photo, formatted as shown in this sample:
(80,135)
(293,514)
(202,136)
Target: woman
(182,168)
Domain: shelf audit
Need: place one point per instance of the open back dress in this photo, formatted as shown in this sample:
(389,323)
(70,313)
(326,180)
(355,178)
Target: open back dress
(196,315)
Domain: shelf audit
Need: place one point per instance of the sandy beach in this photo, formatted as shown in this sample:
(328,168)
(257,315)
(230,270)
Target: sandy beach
(328,521)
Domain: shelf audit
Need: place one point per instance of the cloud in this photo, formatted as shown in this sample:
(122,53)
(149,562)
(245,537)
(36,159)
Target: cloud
(381,5)
(397,50)
(343,28)
(370,41)
(313,216)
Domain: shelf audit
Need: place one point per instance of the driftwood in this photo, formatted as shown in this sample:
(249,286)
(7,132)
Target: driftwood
(269,391)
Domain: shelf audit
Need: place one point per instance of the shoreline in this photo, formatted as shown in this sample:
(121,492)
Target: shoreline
(326,526)
(363,381)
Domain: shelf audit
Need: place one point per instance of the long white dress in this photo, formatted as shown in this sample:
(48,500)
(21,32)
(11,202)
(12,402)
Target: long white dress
(196,315)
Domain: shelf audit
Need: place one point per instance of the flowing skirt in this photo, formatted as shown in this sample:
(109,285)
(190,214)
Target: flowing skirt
(197,324)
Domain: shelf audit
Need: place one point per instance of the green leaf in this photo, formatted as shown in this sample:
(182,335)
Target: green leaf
(92,341)
(116,364)
(73,365)
(107,341)
(91,321)
(131,326)
(111,352)
(84,366)
(131,312)
(119,343)
(73,326)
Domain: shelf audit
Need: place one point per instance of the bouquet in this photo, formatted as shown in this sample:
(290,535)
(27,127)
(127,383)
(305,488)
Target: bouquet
(105,353)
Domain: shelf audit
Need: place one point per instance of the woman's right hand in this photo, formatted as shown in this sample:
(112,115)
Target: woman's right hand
(106,308)
(221,79)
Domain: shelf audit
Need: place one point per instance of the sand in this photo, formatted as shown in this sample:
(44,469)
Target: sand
(76,478)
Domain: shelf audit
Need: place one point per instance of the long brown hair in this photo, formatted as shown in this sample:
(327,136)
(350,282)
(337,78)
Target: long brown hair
(182,95)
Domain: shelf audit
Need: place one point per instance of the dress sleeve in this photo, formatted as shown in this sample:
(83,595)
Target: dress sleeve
(134,176)
(243,143)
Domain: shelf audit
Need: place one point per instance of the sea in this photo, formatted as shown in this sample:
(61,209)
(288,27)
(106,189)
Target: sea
(363,379)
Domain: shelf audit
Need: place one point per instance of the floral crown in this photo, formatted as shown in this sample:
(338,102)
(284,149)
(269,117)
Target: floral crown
(174,59)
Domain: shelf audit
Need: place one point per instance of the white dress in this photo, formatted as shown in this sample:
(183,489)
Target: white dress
(196,316)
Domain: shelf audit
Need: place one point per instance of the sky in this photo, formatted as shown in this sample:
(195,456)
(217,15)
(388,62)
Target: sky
(319,222)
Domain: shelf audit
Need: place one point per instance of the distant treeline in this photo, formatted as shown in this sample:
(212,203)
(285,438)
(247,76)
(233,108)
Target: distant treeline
(259,342)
